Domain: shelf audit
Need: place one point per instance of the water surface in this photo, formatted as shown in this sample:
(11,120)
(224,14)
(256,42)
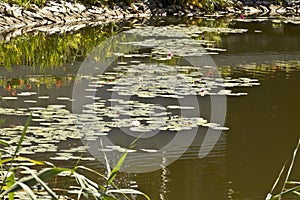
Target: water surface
(263,125)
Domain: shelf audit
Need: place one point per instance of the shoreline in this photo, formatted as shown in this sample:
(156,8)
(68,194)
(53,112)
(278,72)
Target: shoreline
(59,17)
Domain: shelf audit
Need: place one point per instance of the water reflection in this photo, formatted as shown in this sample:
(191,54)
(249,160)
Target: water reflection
(244,161)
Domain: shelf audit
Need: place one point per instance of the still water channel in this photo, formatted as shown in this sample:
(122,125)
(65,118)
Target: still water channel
(258,88)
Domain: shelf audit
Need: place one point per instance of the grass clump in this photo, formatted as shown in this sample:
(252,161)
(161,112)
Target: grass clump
(12,186)
(289,187)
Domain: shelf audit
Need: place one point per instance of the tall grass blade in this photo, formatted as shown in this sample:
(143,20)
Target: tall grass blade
(106,161)
(79,194)
(269,196)
(133,143)
(22,135)
(291,166)
(27,190)
(4,143)
(21,158)
(85,196)
(117,168)
(93,171)
(291,190)
(293,182)
(296,193)
(87,187)
(81,182)
(43,184)
(10,180)
(18,146)
(30,180)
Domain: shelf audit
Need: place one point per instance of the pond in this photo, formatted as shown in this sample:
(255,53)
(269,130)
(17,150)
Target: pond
(214,102)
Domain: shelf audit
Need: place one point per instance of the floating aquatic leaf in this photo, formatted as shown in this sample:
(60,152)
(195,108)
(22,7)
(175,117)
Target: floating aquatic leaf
(30,101)
(59,158)
(36,108)
(56,106)
(221,128)
(44,97)
(238,94)
(180,107)
(211,125)
(121,149)
(224,92)
(63,98)
(9,98)
(26,94)
(91,90)
(135,61)
(149,150)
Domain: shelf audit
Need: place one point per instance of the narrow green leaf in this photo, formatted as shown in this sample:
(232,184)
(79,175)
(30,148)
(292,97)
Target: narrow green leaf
(102,187)
(79,194)
(4,143)
(293,182)
(23,135)
(286,192)
(85,196)
(4,151)
(27,190)
(10,180)
(106,161)
(93,171)
(87,187)
(117,168)
(21,158)
(291,165)
(43,184)
(296,193)
(80,181)
(5,160)
(277,180)
(30,180)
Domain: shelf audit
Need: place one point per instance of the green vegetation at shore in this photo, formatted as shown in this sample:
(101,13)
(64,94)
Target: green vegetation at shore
(25,3)
(44,51)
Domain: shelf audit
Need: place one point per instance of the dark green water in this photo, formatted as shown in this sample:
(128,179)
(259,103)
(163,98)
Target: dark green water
(263,125)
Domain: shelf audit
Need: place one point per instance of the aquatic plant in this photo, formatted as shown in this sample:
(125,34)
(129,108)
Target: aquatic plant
(12,186)
(288,187)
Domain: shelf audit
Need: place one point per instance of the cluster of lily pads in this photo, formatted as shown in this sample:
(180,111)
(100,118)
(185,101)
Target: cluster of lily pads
(136,76)
(55,125)
(283,19)
(141,75)
(266,68)
(153,81)
(173,81)
(176,40)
